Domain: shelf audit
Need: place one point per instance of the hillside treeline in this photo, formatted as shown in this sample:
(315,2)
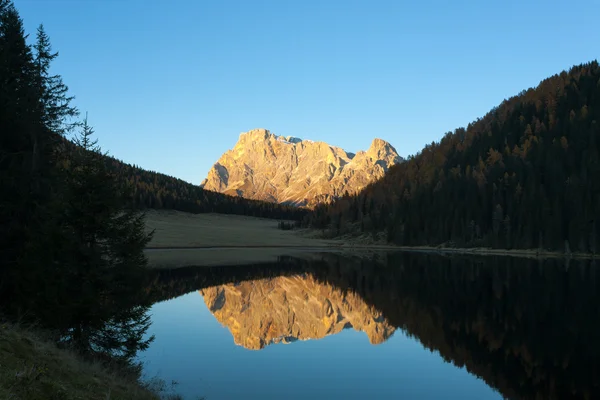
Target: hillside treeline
(159,191)
(526,175)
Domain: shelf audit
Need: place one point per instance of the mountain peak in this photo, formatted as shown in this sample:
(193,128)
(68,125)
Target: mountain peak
(265,134)
(259,133)
(287,169)
(380,149)
(379,144)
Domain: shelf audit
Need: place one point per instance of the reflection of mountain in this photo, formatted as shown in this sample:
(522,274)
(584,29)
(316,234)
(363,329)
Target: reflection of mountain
(286,309)
(528,328)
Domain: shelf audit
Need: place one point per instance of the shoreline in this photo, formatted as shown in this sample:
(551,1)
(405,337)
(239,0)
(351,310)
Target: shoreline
(183,239)
(421,249)
(483,251)
(226,255)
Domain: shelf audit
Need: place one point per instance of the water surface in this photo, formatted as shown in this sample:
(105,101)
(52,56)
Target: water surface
(393,326)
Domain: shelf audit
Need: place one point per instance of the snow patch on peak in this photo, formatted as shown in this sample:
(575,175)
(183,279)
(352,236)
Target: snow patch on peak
(288,139)
(265,134)
(293,139)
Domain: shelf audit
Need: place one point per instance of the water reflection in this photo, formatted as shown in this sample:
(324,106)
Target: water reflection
(285,309)
(528,328)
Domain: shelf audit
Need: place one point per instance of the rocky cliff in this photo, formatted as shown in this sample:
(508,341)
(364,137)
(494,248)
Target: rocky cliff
(286,309)
(265,166)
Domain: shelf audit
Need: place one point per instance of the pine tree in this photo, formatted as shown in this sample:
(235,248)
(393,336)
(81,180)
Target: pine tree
(30,194)
(17,99)
(105,265)
(56,103)
(18,208)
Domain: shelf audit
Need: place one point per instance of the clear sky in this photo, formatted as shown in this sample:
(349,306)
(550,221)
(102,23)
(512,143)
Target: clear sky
(169,85)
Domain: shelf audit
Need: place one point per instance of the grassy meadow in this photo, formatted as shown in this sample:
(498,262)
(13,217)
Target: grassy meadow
(183,239)
(175,229)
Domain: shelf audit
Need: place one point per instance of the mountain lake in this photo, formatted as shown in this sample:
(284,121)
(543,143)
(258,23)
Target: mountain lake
(378,326)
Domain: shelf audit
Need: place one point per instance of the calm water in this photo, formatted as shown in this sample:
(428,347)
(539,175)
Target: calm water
(394,326)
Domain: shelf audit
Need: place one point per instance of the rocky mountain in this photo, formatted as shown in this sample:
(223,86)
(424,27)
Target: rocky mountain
(285,309)
(264,166)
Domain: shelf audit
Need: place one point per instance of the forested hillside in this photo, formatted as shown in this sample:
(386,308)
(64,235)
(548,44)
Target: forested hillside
(526,175)
(153,190)
(160,191)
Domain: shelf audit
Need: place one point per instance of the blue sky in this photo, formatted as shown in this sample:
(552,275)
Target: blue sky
(170,85)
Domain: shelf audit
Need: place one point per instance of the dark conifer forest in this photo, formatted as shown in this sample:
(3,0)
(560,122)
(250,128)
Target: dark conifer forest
(160,191)
(525,176)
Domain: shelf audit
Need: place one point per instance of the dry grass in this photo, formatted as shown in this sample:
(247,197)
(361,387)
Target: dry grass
(174,229)
(34,369)
(182,239)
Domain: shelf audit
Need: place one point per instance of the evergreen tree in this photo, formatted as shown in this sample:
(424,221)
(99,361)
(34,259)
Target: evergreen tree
(104,263)
(28,177)
(56,103)
(18,103)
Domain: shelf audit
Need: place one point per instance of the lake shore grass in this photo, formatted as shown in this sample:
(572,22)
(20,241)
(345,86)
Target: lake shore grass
(183,239)
(33,368)
(175,229)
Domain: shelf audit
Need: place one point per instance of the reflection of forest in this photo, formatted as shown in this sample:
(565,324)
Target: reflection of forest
(528,328)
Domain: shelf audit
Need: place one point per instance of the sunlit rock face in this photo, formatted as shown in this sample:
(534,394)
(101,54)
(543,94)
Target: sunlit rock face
(286,309)
(264,166)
